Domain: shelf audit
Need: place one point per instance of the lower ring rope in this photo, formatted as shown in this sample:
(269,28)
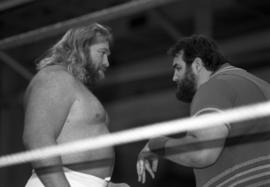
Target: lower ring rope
(141,133)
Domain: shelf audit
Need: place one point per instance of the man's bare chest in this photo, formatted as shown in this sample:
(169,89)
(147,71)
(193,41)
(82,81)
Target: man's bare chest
(87,108)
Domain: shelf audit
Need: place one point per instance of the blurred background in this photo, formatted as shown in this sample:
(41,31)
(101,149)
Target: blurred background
(138,89)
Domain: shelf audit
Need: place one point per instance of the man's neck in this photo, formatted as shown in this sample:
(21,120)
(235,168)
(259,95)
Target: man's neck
(203,77)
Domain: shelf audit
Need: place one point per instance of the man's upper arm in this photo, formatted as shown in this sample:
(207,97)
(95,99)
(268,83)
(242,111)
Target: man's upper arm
(214,96)
(47,105)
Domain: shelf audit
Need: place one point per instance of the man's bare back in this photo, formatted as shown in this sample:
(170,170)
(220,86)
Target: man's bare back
(85,117)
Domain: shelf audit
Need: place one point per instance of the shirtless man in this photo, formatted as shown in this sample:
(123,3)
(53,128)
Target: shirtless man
(59,108)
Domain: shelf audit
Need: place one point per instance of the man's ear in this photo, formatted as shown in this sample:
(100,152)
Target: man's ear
(197,65)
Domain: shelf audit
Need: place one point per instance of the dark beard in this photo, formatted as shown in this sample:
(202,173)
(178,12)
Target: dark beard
(186,88)
(91,74)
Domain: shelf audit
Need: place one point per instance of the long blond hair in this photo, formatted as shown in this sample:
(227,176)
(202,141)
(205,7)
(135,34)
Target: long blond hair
(72,50)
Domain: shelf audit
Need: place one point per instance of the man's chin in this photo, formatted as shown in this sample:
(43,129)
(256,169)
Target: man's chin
(185,97)
(101,75)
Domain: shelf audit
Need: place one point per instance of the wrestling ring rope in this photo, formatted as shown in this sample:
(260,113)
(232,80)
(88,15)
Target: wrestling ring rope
(141,133)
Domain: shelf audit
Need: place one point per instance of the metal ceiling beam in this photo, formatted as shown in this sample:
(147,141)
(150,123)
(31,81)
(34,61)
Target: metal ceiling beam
(15,66)
(125,9)
(166,24)
(203,17)
(246,43)
(239,49)
(5,5)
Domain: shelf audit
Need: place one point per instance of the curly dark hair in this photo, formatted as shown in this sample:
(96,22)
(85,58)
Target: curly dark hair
(199,46)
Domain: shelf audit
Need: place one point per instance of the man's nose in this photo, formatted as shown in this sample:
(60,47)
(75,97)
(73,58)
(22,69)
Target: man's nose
(106,62)
(174,79)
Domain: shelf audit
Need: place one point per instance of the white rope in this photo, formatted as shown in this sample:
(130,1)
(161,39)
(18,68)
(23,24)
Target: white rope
(141,133)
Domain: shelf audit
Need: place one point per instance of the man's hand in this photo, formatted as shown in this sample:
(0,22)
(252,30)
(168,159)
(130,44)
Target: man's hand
(146,161)
(118,185)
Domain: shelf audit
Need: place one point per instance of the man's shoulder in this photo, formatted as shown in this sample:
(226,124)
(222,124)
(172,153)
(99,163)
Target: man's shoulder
(53,74)
(215,93)
(215,83)
(52,77)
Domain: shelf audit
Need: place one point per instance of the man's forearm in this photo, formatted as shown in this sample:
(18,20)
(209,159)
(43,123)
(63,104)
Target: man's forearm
(184,151)
(50,172)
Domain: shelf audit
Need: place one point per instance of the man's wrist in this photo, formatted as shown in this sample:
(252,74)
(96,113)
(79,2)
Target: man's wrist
(157,145)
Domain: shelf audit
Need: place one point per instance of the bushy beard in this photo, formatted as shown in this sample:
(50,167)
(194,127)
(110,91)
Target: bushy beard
(91,74)
(186,88)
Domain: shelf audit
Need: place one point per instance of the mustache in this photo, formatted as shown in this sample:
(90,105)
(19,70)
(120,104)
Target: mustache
(103,68)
